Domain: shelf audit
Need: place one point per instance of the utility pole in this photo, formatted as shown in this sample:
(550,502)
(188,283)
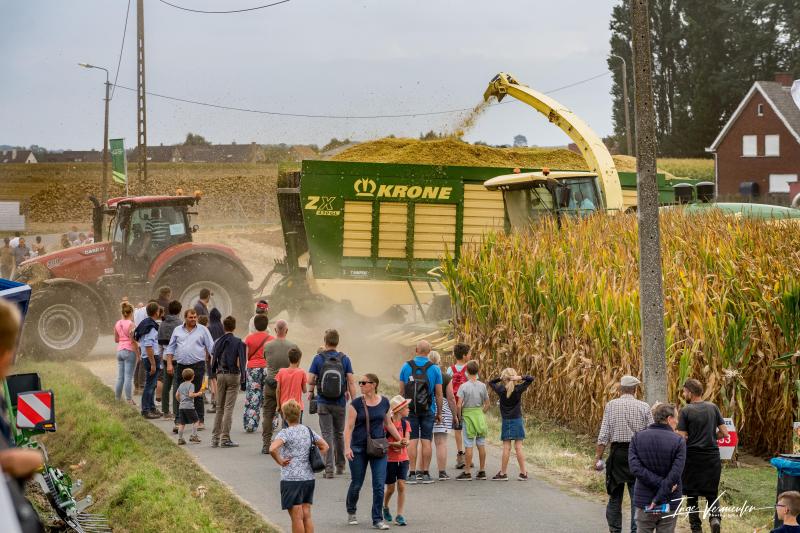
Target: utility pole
(104,178)
(651,292)
(628,137)
(141,112)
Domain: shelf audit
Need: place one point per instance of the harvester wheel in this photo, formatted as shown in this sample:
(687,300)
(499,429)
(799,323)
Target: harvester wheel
(61,323)
(229,287)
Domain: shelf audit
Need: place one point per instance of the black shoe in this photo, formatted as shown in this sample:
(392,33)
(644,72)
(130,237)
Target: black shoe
(214,444)
(175,429)
(464,476)
(412,478)
(229,444)
(481,476)
(265,450)
(715,525)
(150,415)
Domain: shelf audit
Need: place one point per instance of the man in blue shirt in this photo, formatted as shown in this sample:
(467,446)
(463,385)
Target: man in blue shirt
(334,389)
(421,418)
(146,334)
(188,347)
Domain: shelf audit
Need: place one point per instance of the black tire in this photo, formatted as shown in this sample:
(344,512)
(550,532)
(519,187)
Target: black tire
(225,280)
(61,323)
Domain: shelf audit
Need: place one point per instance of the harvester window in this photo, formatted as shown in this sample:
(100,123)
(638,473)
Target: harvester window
(525,206)
(577,196)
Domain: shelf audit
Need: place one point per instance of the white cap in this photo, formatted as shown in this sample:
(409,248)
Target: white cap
(629,381)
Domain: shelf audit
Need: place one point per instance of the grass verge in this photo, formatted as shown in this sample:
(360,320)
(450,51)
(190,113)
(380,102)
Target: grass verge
(140,480)
(564,458)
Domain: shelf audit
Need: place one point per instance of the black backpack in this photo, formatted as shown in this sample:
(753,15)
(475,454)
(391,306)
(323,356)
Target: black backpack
(417,388)
(332,382)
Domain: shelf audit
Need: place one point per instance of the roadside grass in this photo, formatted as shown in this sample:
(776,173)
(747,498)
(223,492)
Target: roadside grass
(138,477)
(564,458)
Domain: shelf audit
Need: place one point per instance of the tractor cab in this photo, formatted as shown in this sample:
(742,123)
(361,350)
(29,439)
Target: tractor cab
(530,196)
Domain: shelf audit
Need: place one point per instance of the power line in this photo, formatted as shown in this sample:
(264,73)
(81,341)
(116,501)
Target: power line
(121,48)
(344,117)
(221,12)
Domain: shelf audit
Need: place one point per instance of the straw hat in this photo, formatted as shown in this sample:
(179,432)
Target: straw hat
(397,403)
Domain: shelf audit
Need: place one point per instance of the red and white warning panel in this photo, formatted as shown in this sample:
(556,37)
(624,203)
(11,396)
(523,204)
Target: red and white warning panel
(35,410)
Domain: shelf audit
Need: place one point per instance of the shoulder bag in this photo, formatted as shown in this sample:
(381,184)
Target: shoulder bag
(375,447)
(314,456)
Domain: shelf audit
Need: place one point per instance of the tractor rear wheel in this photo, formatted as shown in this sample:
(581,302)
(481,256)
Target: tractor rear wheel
(61,324)
(228,285)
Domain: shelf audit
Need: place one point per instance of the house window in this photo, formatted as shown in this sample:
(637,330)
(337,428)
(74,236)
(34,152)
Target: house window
(772,145)
(749,145)
(780,182)
(760,110)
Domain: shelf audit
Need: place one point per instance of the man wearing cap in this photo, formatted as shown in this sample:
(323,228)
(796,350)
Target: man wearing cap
(622,418)
(262,307)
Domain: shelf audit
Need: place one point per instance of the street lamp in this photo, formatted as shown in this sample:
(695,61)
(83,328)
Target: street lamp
(104,181)
(625,103)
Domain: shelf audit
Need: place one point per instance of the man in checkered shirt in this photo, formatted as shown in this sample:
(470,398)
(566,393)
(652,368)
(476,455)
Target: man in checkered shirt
(622,417)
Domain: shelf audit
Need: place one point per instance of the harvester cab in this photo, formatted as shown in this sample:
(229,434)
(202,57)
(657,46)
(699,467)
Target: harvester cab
(31,412)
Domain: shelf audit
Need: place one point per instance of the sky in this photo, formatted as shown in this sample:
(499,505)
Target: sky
(332,57)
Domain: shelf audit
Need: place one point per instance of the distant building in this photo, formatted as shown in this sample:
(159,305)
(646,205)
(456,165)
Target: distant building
(17,156)
(520,141)
(757,153)
(73,156)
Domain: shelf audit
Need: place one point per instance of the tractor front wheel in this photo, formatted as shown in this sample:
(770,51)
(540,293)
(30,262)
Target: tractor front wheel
(61,323)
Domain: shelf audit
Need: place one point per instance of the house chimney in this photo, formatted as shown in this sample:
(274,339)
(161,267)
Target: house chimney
(784,78)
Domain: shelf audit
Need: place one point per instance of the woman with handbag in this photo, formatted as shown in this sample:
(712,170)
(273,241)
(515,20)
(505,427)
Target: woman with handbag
(368,419)
(297,450)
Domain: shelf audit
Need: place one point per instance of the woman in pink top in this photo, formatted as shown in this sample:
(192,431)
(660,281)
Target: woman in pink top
(126,352)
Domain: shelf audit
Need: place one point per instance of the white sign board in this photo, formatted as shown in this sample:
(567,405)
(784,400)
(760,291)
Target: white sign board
(728,444)
(10,219)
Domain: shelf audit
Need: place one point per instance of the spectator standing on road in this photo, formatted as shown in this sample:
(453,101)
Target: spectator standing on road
(38,248)
(65,242)
(228,364)
(146,334)
(262,308)
(459,373)
(509,387)
(15,239)
(164,297)
(290,449)
(187,414)
(139,314)
(187,349)
(656,456)
(787,509)
(292,382)
(6,259)
(217,330)
(331,373)
(256,371)
(367,415)
(276,354)
(397,460)
(172,319)
(201,307)
(623,417)
(21,252)
(421,382)
(701,424)
(127,353)
(441,430)
(72,235)
(473,404)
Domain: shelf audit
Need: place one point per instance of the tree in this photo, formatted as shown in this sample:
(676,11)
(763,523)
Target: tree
(195,139)
(335,143)
(431,136)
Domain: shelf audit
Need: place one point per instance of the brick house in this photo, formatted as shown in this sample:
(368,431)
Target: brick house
(757,153)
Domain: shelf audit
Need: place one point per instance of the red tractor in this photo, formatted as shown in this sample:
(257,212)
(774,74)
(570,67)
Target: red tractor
(143,243)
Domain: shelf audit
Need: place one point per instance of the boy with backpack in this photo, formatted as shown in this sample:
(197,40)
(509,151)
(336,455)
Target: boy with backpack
(331,373)
(458,372)
(421,382)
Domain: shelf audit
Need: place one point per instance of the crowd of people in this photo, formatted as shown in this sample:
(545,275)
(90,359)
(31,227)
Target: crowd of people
(182,354)
(19,248)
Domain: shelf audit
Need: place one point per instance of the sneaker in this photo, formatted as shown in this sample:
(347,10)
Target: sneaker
(150,415)
(464,476)
(181,441)
(426,479)
(387,514)
(175,429)
(168,416)
(212,409)
(400,521)
(500,477)
(194,438)
(522,476)
(380,525)
(265,450)
(352,520)
(214,444)
(715,525)
(229,444)
(443,476)
(419,477)
(481,476)
(339,470)
(156,411)
(327,475)
(460,461)
(412,478)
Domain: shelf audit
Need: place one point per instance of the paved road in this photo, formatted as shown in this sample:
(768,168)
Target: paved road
(534,506)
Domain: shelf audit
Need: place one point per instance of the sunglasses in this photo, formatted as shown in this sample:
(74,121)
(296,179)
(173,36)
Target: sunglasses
(362,383)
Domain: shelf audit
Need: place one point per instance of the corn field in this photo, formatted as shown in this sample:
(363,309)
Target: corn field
(563,306)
